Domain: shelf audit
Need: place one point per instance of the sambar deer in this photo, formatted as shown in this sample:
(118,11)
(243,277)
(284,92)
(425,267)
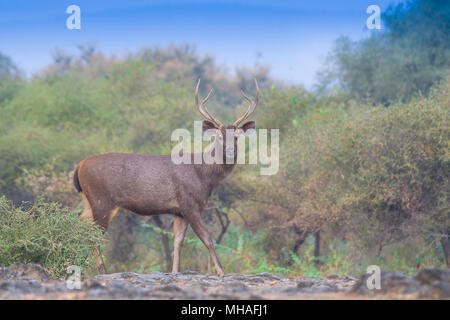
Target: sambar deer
(153,184)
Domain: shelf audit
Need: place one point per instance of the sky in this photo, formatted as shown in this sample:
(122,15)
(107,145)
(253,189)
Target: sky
(291,37)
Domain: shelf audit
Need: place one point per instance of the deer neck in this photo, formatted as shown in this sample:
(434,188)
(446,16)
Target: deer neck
(213,174)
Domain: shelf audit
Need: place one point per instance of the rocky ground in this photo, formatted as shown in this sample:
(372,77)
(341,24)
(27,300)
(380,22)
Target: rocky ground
(30,281)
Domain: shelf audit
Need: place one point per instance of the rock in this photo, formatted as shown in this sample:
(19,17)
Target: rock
(264,275)
(117,276)
(235,276)
(170,288)
(91,284)
(190,273)
(30,281)
(427,283)
(322,288)
(301,284)
(434,283)
(428,276)
(25,271)
(389,279)
(236,286)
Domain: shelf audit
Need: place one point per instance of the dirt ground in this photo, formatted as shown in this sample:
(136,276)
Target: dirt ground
(29,281)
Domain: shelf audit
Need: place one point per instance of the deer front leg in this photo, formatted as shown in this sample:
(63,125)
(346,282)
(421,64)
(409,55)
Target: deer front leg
(179,230)
(200,229)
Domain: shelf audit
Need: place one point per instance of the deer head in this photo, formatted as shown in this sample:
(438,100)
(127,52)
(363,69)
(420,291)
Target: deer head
(226,136)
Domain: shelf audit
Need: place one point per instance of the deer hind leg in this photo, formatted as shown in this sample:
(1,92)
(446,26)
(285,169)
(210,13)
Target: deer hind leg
(180,225)
(200,229)
(102,216)
(88,216)
(87,212)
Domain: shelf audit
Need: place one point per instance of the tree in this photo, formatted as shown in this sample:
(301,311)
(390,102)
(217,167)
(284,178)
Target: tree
(411,55)
(8,70)
(10,78)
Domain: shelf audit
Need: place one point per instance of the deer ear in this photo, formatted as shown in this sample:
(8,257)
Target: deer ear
(248,128)
(207,125)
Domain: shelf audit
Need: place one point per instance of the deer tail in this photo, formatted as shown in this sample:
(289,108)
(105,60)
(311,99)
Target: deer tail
(76,182)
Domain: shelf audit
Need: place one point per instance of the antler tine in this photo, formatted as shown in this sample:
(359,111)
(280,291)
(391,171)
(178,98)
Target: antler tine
(203,109)
(253,104)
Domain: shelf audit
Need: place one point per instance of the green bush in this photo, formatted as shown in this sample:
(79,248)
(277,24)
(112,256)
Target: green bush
(392,168)
(48,235)
(375,176)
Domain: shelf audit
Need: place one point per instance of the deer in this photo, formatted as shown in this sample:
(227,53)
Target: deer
(151,185)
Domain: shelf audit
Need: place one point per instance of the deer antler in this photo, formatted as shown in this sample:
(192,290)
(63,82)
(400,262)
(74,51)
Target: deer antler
(251,108)
(202,109)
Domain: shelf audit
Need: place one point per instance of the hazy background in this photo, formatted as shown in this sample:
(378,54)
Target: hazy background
(364,152)
(290,37)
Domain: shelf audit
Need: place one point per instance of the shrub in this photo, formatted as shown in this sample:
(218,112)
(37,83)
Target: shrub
(378,175)
(51,184)
(48,235)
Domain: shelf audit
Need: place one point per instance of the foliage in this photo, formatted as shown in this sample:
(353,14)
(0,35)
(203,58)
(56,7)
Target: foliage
(46,234)
(51,183)
(10,79)
(410,55)
(379,175)
(244,252)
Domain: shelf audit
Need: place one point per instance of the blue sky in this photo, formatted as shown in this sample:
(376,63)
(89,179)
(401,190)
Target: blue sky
(291,37)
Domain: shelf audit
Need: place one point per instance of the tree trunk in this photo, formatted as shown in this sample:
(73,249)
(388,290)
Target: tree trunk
(166,243)
(317,248)
(445,242)
(298,243)
(223,224)
(209,265)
